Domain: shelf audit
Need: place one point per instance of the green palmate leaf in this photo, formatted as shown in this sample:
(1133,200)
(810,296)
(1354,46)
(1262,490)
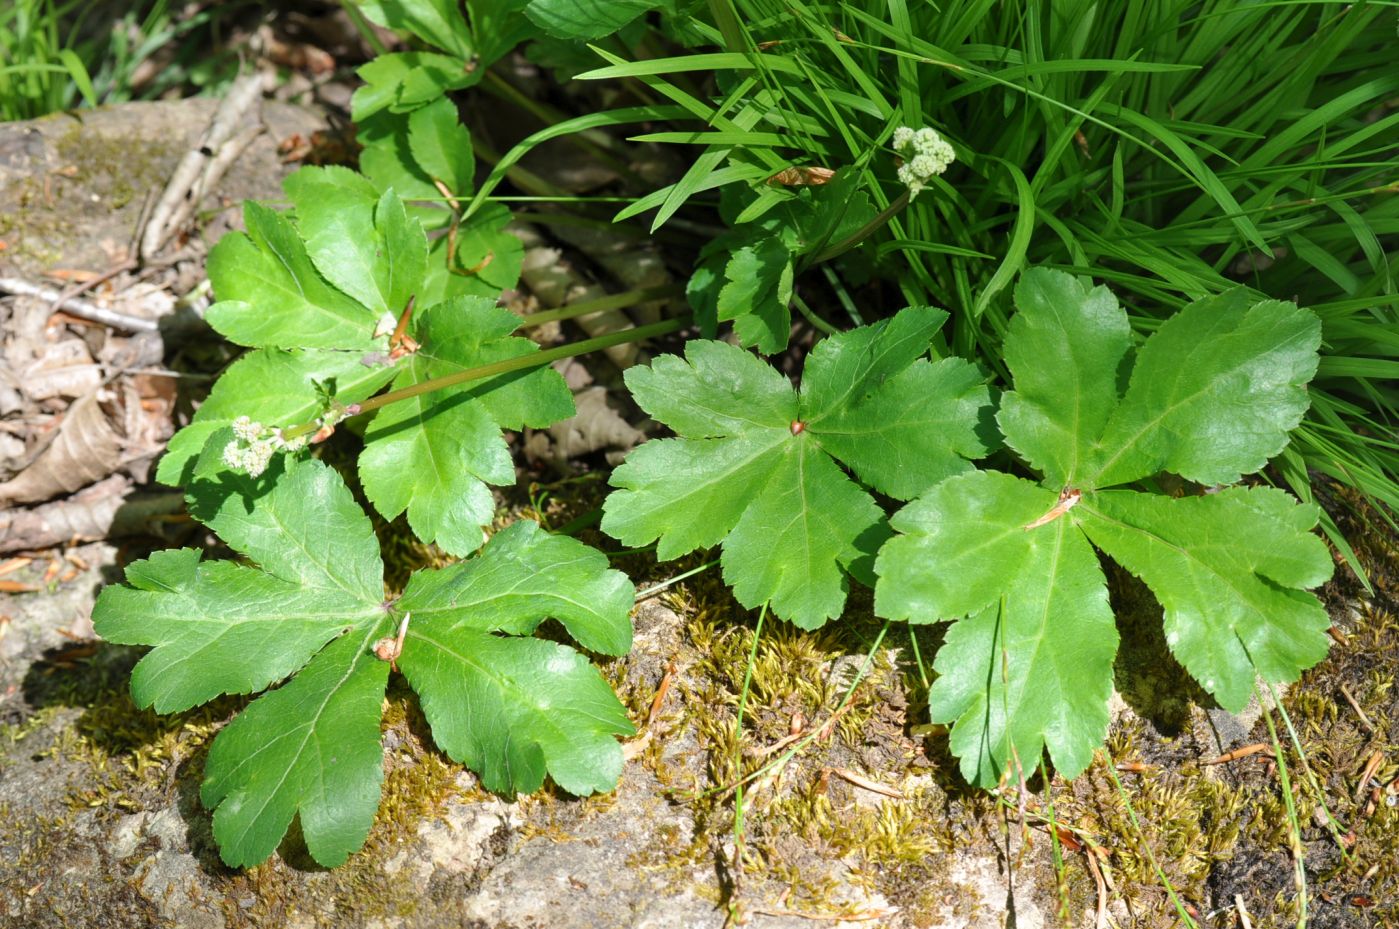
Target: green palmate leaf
(586,19)
(755,465)
(270,294)
(1031,666)
(1209,396)
(362,241)
(308,611)
(271,387)
(433,455)
(1231,570)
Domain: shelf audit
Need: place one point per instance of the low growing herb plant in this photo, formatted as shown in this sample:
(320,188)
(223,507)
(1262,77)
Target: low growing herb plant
(1210,397)
(310,612)
(375,297)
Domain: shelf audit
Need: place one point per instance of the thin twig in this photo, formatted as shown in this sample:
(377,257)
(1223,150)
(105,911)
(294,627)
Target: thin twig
(79,308)
(1364,720)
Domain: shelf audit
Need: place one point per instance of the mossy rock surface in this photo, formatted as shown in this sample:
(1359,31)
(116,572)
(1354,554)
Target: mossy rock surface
(73,186)
(103,820)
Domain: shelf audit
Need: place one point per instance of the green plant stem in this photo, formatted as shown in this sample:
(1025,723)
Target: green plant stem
(864,232)
(1294,826)
(602,304)
(519,363)
(811,316)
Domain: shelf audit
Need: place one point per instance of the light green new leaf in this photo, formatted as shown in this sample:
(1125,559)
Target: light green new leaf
(362,242)
(271,387)
(310,748)
(433,455)
(1211,395)
(441,145)
(1030,665)
(308,612)
(1231,570)
(400,82)
(1215,391)
(755,466)
(270,294)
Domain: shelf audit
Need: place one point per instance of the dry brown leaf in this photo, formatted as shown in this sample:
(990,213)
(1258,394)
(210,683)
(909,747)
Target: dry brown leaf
(595,427)
(64,369)
(86,447)
(107,509)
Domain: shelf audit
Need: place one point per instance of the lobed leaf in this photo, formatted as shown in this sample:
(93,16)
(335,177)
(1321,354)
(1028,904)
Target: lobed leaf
(523,576)
(1211,395)
(362,241)
(1231,570)
(308,613)
(310,748)
(1066,349)
(270,294)
(1030,665)
(515,709)
(441,145)
(1215,391)
(433,455)
(755,468)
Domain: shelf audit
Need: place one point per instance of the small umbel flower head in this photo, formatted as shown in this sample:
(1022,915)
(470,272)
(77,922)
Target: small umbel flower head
(925,155)
(254,445)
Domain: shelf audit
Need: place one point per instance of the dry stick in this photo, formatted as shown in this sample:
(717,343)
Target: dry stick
(202,165)
(1364,720)
(79,308)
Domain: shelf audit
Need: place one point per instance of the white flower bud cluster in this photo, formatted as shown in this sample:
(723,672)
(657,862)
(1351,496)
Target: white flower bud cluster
(925,155)
(254,445)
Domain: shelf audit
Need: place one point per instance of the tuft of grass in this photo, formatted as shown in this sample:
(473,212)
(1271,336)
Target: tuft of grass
(1171,151)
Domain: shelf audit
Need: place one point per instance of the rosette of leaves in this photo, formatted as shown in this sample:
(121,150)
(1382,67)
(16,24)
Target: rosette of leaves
(313,292)
(302,616)
(1209,397)
(747,274)
(757,465)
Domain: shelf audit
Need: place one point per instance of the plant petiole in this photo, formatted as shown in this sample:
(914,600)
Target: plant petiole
(519,363)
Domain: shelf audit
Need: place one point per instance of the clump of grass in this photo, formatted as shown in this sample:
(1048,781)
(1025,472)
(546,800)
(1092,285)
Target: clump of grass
(1170,151)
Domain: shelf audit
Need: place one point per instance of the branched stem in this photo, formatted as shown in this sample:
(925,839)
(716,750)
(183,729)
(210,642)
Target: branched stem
(519,363)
